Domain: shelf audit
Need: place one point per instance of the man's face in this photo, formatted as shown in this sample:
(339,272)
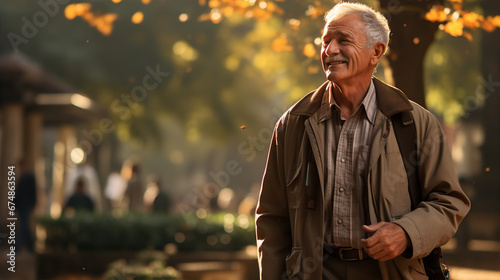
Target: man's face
(344,55)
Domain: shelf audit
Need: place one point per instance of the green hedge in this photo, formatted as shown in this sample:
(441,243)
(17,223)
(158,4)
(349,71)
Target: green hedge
(220,231)
(149,265)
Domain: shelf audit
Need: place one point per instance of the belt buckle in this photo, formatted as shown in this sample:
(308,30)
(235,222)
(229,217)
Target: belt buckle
(341,255)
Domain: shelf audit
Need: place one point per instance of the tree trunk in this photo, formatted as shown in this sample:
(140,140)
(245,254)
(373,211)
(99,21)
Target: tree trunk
(489,84)
(411,36)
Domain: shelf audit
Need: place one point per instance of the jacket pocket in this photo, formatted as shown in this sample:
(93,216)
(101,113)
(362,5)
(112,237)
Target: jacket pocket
(417,269)
(294,186)
(294,263)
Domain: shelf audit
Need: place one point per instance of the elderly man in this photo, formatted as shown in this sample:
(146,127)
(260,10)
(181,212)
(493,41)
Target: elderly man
(335,200)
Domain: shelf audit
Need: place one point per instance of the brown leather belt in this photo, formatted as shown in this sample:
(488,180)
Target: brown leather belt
(346,254)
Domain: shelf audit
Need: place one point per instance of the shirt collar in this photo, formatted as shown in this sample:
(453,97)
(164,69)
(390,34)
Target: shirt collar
(369,103)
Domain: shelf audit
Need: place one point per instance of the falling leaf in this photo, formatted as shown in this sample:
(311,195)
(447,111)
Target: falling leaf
(454,28)
(146,2)
(309,50)
(487,169)
(416,40)
(138,17)
(242,127)
(280,44)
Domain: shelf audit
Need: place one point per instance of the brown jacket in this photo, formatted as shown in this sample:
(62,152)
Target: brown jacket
(289,215)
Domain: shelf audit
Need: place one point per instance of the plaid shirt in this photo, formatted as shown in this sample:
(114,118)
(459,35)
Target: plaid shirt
(347,147)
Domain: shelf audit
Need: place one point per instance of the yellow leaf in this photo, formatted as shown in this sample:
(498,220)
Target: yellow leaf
(280,44)
(436,14)
(454,28)
(309,50)
(273,8)
(488,24)
(227,11)
(242,127)
(214,4)
(495,20)
(70,11)
(472,20)
(261,14)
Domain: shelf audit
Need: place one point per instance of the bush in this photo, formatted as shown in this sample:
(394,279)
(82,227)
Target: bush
(149,265)
(220,231)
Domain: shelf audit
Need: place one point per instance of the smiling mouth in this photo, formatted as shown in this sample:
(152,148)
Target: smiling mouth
(335,60)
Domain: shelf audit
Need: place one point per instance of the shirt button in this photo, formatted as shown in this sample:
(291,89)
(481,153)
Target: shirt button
(342,160)
(341,189)
(339,221)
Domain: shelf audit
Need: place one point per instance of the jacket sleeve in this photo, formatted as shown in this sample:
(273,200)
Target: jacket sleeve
(272,216)
(444,204)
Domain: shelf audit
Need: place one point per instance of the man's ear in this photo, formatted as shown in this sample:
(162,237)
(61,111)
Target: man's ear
(378,51)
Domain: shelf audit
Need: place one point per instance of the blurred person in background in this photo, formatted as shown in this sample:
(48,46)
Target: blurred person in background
(25,201)
(79,201)
(115,190)
(135,190)
(156,199)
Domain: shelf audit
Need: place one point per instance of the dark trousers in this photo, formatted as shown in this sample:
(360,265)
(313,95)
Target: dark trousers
(336,269)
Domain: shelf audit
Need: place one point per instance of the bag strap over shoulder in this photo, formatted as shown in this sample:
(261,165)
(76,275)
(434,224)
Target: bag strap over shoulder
(406,136)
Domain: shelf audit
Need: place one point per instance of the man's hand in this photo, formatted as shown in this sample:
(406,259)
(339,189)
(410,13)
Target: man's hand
(387,241)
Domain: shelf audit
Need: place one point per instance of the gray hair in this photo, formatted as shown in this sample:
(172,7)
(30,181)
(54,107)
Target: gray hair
(376,25)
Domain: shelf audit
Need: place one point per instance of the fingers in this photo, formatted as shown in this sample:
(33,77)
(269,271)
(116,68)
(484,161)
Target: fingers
(373,228)
(387,242)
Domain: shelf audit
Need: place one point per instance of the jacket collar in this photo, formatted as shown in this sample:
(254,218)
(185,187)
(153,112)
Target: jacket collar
(390,100)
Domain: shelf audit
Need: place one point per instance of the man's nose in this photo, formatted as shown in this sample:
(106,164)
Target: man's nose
(332,48)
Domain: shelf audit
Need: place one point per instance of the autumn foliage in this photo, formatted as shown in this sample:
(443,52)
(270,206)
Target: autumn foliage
(456,20)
